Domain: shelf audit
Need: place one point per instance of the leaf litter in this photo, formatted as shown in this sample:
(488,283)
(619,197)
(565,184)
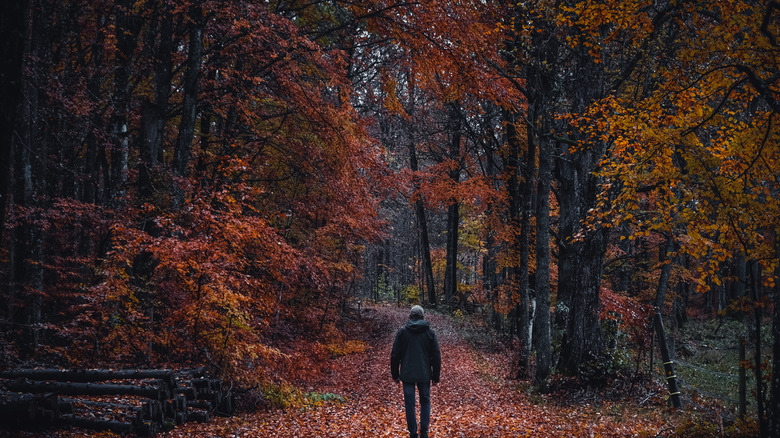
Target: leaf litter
(474,399)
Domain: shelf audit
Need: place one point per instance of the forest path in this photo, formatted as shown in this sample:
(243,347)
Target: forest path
(474,399)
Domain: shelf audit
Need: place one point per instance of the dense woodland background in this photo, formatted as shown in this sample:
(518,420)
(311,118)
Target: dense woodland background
(217,182)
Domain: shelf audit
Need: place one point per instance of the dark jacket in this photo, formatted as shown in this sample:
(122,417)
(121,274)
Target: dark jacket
(416,351)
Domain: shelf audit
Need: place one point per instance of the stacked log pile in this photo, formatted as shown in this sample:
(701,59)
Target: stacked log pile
(138,402)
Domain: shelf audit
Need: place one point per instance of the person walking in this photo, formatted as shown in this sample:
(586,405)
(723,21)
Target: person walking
(416,352)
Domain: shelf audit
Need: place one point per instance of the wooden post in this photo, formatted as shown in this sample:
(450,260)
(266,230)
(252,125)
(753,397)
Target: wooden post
(652,348)
(671,377)
(742,380)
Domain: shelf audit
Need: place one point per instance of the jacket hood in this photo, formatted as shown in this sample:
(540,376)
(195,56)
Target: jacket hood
(417,326)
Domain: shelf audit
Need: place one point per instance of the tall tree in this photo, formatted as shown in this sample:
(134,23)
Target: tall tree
(190,90)
(520,187)
(453,207)
(542,319)
(127,27)
(419,208)
(12,36)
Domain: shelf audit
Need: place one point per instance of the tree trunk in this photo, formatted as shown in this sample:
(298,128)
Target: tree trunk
(91,186)
(581,259)
(154,392)
(190,99)
(583,340)
(757,364)
(162,84)
(12,33)
(542,328)
(671,377)
(578,290)
(663,344)
(663,280)
(451,268)
(127,28)
(149,134)
(489,265)
(527,309)
(25,252)
(773,410)
(63,375)
(453,216)
(737,287)
(424,241)
(520,204)
(742,379)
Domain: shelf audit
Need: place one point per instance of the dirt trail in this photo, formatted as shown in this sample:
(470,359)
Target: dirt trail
(472,400)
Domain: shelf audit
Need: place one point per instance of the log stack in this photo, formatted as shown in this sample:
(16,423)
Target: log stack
(139,402)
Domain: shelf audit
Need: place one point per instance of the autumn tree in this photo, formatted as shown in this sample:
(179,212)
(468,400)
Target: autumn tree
(434,88)
(554,88)
(185,182)
(692,143)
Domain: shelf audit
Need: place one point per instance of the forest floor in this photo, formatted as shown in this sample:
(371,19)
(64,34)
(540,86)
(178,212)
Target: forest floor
(476,398)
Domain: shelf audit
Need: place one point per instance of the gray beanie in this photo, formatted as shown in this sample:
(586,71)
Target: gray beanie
(417,312)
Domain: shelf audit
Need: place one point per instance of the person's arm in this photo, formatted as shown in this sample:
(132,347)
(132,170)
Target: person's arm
(395,356)
(435,360)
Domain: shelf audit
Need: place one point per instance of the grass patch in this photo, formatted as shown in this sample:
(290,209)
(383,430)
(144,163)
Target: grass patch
(287,396)
(707,356)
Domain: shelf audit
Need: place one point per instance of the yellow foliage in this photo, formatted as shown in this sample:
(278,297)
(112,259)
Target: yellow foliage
(343,348)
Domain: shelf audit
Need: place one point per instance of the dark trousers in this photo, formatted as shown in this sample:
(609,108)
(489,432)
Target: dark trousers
(425,407)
